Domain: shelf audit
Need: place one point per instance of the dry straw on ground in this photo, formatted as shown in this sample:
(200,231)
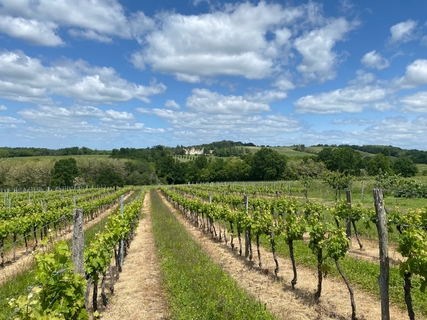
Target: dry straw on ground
(138,293)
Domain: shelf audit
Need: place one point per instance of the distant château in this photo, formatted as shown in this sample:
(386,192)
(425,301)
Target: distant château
(194,151)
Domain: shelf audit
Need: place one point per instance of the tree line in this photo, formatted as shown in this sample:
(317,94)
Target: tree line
(7,152)
(160,165)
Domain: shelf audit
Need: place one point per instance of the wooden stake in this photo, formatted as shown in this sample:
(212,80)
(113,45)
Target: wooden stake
(383,279)
(78,242)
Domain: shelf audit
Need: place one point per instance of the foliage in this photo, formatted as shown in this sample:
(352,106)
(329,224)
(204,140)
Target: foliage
(59,293)
(405,167)
(109,178)
(413,245)
(64,172)
(338,181)
(344,160)
(379,164)
(268,164)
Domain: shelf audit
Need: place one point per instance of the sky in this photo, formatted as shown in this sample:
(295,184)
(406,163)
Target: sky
(109,74)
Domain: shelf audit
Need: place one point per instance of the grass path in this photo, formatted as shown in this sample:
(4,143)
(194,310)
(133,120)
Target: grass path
(197,287)
(139,293)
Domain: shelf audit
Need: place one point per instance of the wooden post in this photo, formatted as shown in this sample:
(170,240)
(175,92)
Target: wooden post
(122,240)
(78,242)
(246,231)
(383,279)
(363,191)
(348,220)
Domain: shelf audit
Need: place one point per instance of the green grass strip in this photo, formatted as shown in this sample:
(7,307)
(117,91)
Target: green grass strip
(363,274)
(197,288)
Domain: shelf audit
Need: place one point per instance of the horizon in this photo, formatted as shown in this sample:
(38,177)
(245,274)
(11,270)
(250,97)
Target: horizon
(130,74)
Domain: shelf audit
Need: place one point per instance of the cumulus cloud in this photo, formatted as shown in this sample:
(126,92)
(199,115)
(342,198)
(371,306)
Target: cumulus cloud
(203,100)
(193,125)
(316,48)
(227,116)
(373,59)
(3,108)
(353,121)
(402,32)
(232,41)
(397,131)
(415,103)
(31,30)
(38,21)
(86,122)
(24,78)
(350,99)
(416,75)
(172,104)
(90,35)
(11,120)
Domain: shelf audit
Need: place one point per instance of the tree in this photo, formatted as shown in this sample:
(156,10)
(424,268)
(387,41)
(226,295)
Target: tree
(379,164)
(345,160)
(405,167)
(109,178)
(64,172)
(268,164)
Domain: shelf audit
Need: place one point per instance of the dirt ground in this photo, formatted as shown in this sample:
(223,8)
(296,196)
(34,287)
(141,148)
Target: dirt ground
(138,293)
(24,261)
(277,294)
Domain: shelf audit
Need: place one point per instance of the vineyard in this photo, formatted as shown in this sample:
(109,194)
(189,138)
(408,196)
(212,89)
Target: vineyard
(275,229)
(37,219)
(245,217)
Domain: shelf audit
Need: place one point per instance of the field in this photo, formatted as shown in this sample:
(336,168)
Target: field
(287,151)
(185,252)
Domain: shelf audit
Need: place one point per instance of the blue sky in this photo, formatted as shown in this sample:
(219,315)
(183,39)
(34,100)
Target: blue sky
(107,74)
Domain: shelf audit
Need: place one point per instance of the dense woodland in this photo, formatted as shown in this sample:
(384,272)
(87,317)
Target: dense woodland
(224,161)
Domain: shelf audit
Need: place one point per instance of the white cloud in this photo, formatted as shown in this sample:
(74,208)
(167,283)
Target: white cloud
(188,126)
(423,41)
(89,34)
(33,31)
(42,18)
(203,100)
(350,99)
(27,79)
(416,75)
(415,103)
(10,120)
(229,42)
(117,116)
(3,108)
(283,84)
(60,117)
(362,78)
(402,32)
(141,25)
(267,96)
(354,121)
(86,122)
(397,131)
(374,60)
(172,104)
(316,48)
